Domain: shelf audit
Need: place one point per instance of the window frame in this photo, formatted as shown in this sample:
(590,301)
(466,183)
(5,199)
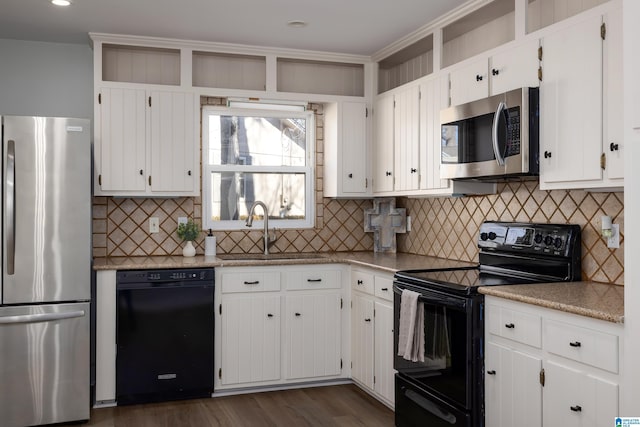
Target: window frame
(308,170)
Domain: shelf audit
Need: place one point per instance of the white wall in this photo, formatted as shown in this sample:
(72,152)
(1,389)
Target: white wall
(631,379)
(46,79)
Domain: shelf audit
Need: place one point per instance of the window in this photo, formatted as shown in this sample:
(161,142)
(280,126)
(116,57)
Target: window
(251,155)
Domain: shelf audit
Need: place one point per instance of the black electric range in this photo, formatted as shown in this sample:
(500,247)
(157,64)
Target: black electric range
(447,389)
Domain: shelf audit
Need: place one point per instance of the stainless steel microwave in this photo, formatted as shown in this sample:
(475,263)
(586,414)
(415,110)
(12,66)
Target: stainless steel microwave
(492,139)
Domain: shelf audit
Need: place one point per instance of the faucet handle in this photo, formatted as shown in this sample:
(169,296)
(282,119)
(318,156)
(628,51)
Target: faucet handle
(273,236)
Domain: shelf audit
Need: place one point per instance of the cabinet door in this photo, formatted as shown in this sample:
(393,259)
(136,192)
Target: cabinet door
(613,94)
(383,354)
(313,335)
(122,144)
(173,143)
(406,139)
(433,99)
(571,104)
(577,398)
(513,393)
(469,83)
(515,68)
(250,339)
(383,152)
(354,147)
(362,350)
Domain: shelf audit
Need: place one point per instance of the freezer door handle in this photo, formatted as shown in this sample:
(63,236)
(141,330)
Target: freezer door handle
(10,206)
(45,317)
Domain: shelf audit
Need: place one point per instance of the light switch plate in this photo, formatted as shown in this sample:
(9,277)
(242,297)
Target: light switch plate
(614,241)
(154,224)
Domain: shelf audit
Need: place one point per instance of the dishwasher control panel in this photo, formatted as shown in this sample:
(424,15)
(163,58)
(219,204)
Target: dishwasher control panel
(170,275)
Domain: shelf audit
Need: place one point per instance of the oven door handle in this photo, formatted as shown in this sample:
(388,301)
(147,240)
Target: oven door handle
(429,406)
(494,134)
(437,299)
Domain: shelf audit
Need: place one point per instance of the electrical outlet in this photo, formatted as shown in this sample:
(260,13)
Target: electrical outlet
(613,242)
(154,224)
(182,220)
(408,223)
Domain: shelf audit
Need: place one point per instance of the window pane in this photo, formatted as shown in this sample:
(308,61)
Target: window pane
(233,193)
(258,141)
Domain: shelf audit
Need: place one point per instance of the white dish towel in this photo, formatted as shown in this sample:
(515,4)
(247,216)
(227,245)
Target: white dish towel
(411,328)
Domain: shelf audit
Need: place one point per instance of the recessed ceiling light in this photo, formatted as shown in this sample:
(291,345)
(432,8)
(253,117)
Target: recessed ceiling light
(61,2)
(297,24)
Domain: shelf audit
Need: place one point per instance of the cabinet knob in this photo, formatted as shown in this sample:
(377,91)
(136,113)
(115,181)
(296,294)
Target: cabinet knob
(384,289)
(367,320)
(141,172)
(495,72)
(359,282)
(269,315)
(613,147)
(255,282)
(509,326)
(298,315)
(575,344)
(576,408)
(491,372)
(350,175)
(414,170)
(387,173)
(189,173)
(478,78)
(547,154)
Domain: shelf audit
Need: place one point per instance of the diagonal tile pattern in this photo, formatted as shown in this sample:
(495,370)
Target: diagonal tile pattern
(447,227)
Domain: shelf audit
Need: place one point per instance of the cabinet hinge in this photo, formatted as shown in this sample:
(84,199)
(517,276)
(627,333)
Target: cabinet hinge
(603,31)
(374,312)
(420,95)
(341,303)
(394,104)
(351,365)
(149,180)
(99,98)
(220,309)
(100,180)
(366,183)
(366,112)
(149,101)
(340,364)
(449,97)
(540,73)
(540,53)
(351,304)
(374,379)
(542,378)
(220,373)
(603,161)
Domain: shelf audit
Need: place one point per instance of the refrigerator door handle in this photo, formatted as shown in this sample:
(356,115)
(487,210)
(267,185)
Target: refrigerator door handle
(45,317)
(10,206)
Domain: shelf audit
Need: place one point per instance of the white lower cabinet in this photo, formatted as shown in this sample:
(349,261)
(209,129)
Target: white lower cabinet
(278,324)
(372,333)
(561,369)
(250,339)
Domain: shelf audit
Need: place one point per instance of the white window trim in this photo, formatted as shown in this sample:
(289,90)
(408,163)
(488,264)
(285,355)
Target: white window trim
(309,171)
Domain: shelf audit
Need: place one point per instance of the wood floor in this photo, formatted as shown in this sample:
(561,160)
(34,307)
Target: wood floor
(342,405)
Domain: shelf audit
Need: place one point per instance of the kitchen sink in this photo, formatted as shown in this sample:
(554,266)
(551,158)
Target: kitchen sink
(276,256)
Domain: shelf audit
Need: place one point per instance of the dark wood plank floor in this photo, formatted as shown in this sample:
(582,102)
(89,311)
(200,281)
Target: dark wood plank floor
(343,405)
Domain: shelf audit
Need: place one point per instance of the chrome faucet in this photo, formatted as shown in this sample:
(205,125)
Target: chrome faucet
(267,239)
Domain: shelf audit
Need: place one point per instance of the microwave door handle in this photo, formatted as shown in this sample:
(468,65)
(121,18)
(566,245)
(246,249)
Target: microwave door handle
(494,134)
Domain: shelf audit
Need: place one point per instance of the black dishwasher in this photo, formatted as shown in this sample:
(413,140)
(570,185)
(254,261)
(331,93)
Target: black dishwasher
(164,335)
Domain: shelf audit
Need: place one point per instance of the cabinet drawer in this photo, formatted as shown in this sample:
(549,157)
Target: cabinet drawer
(584,345)
(383,287)
(515,325)
(362,281)
(258,281)
(313,279)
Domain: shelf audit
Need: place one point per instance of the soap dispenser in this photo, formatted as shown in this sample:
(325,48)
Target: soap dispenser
(210,244)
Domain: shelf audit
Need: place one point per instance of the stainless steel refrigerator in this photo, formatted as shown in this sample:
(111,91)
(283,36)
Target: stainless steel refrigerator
(46,270)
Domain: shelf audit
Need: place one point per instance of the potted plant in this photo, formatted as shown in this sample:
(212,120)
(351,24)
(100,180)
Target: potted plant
(188,231)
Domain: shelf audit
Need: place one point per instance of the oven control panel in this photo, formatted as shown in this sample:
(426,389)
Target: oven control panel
(548,239)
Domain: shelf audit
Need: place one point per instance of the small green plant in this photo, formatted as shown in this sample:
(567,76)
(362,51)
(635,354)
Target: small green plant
(188,231)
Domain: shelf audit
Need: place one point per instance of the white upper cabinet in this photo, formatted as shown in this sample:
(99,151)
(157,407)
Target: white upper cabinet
(580,141)
(434,97)
(146,143)
(406,138)
(346,150)
(506,70)
(383,163)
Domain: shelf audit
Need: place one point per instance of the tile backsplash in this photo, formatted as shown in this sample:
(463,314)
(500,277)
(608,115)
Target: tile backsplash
(447,227)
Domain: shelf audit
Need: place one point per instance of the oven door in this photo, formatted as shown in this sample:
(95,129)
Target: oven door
(452,369)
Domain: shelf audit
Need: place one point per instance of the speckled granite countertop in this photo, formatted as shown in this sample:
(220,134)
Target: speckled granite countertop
(591,299)
(385,262)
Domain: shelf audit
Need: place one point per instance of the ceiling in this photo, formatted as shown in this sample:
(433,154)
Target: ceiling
(359,27)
